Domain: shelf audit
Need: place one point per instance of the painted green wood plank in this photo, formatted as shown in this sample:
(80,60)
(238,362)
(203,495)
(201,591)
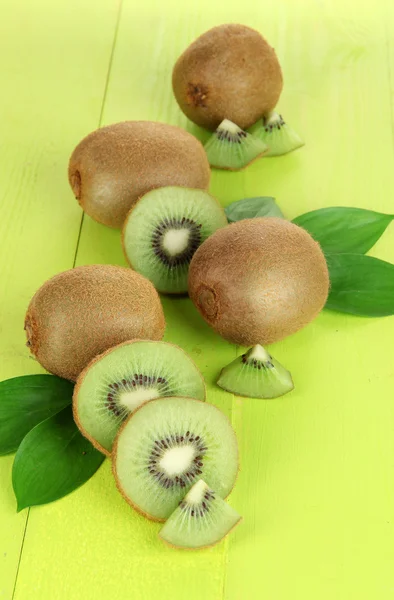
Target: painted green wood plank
(317,483)
(52,88)
(119,550)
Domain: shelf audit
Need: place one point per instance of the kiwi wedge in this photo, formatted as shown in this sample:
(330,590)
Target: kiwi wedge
(231,148)
(115,165)
(82,312)
(279,137)
(259,280)
(202,519)
(116,383)
(164,229)
(166,446)
(256,374)
(229,72)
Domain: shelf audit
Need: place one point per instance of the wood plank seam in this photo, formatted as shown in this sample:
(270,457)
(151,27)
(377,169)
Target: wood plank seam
(111,58)
(78,239)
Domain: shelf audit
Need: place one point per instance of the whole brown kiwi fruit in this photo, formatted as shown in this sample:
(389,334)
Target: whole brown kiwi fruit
(259,280)
(229,72)
(113,166)
(83,312)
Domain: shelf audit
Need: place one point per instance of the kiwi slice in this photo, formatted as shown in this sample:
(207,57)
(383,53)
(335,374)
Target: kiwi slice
(163,231)
(231,148)
(279,137)
(202,519)
(166,446)
(256,374)
(120,380)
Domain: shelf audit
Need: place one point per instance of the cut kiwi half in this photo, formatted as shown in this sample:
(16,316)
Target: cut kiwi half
(117,382)
(163,231)
(256,374)
(166,446)
(202,519)
(277,134)
(232,148)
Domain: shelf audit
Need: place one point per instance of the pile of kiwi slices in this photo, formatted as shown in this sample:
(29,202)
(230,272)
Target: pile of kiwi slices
(142,403)
(139,400)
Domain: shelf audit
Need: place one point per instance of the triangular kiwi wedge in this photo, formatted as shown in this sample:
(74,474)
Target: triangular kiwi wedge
(256,374)
(232,148)
(202,519)
(277,134)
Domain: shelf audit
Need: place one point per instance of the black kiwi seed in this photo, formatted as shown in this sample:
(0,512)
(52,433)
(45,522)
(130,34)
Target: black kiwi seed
(194,241)
(138,380)
(236,137)
(256,364)
(180,480)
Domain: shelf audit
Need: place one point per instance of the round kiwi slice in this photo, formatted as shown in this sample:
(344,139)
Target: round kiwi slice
(115,165)
(166,446)
(277,134)
(82,312)
(164,229)
(202,519)
(259,280)
(229,72)
(116,383)
(231,148)
(256,374)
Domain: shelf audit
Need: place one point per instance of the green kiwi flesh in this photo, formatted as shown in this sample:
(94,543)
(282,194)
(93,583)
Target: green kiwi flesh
(166,446)
(256,374)
(202,519)
(277,135)
(164,229)
(232,148)
(116,383)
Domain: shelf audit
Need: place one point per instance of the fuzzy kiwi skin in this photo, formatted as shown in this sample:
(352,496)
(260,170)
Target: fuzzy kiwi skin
(82,312)
(259,280)
(113,166)
(229,72)
(117,482)
(81,378)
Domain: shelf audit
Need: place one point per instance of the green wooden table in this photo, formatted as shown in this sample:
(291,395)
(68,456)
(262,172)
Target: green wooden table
(316,486)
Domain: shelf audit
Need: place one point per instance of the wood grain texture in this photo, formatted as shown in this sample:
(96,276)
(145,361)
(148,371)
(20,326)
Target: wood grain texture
(53,63)
(316,483)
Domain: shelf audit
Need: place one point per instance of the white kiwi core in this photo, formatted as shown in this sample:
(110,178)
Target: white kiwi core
(229,126)
(177,460)
(175,241)
(258,353)
(196,494)
(131,400)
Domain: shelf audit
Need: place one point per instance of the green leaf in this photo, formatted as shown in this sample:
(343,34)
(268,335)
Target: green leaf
(343,230)
(361,285)
(25,402)
(248,208)
(53,460)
